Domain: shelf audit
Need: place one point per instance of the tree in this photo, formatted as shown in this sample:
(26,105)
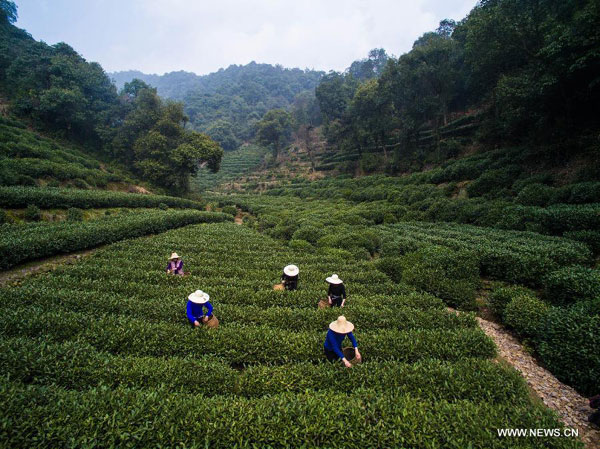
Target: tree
(274,129)
(8,11)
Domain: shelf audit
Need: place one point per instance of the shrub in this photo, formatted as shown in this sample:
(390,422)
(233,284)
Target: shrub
(499,298)
(74,214)
(80,183)
(525,315)
(590,238)
(33,213)
(309,233)
(231,210)
(301,245)
(48,198)
(4,217)
(392,266)
(451,275)
(571,284)
(535,195)
(162,206)
(46,239)
(568,346)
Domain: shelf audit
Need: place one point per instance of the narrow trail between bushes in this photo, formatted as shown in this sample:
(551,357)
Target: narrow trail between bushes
(572,408)
(41,266)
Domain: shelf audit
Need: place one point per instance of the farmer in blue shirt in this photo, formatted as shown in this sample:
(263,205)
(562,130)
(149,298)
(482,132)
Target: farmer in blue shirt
(197,301)
(175,265)
(338,330)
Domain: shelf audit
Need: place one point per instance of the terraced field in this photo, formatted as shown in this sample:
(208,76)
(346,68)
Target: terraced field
(100,354)
(233,165)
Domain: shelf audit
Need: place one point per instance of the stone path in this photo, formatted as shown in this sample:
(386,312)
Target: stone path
(572,408)
(40,266)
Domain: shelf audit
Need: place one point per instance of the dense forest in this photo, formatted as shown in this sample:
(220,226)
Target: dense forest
(227,104)
(56,90)
(517,72)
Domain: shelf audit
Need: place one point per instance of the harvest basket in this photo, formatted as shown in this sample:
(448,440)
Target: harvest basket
(323,304)
(278,287)
(213,322)
(350,355)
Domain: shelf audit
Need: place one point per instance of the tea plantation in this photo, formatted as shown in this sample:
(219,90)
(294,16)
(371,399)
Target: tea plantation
(100,354)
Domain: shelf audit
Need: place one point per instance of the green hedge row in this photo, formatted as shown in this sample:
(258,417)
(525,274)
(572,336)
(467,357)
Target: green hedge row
(20,243)
(237,344)
(128,418)
(165,306)
(76,365)
(50,198)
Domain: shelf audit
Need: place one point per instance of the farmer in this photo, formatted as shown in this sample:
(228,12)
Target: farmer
(175,265)
(197,301)
(336,295)
(289,278)
(338,330)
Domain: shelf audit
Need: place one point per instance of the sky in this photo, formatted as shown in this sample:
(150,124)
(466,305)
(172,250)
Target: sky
(158,36)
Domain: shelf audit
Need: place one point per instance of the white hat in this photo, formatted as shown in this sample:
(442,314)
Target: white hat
(199,297)
(291,270)
(174,256)
(334,279)
(341,325)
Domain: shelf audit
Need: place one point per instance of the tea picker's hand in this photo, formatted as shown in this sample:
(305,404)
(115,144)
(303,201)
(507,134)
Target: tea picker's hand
(196,323)
(347,363)
(357,354)
(205,319)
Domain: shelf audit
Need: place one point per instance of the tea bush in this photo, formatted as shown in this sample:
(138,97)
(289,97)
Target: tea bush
(568,346)
(571,284)
(451,275)
(525,314)
(92,350)
(500,297)
(33,213)
(19,243)
(74,214)
(48,198)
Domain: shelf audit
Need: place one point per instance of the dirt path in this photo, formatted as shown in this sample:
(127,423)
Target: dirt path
(572,408)
(41,266)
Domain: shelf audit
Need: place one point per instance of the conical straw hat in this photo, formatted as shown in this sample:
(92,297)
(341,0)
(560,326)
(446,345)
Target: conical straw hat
(291,270)
(174,256)
(334,279)
(341,325)
(199,297)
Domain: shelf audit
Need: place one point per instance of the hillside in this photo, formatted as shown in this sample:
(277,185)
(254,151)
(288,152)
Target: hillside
(53,89)
(226,104)
(453,190)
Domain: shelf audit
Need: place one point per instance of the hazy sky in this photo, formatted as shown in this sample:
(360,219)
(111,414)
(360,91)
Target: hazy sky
(157,36)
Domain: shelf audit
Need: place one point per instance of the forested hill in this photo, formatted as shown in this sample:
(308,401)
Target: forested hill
(228,103)
(54,91)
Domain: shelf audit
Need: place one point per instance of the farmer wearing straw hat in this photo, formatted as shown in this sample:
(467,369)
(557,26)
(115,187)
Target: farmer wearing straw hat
(338,330)
(289,278)
(175,265)
(336,295)
(195,308)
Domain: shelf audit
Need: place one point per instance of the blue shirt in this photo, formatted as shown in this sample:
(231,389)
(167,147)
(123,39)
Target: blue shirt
(333,342)
(195,311)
